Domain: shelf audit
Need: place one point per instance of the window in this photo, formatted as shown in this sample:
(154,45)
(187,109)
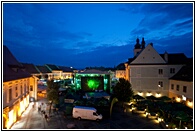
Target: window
(16,94)
(21,90)
(172,86)
(25,89)
(178,87)
(184,89)
(10,94)
(160,84)
(160,71)
(94,113)
(31,88)
(172,70)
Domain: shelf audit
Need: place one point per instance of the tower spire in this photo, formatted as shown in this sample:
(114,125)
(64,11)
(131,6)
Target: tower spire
(143,43)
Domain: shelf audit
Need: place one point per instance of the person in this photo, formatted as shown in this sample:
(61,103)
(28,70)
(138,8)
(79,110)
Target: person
(44,113)
(39,108)
(42,108)
(46,117)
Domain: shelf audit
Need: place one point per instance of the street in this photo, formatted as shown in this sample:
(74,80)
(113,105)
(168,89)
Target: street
(32,119)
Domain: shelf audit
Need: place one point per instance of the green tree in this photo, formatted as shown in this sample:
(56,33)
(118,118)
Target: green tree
(123,91)
(52,93)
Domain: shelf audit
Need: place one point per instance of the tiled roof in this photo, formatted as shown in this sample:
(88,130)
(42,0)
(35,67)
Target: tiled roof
(52,67)
(121,66)
(65,69)
(43,69)
(31,68)
(184,74)
(12,69)
(178,58)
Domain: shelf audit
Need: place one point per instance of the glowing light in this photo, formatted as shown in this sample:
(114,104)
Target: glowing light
(11,118)
(93,84)
(159,119)
(190,104)
(158,95)
(140,93)
(148,94)
(183,98)
(178,99)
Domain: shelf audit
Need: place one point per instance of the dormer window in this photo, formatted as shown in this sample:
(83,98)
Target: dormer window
(14,67)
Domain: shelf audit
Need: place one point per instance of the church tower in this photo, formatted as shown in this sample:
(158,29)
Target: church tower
(138,46)
(143,43)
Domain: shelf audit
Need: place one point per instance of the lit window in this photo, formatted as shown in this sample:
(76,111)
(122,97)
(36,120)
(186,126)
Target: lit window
(160,84)
(10,94)
(31,88)
(21,90)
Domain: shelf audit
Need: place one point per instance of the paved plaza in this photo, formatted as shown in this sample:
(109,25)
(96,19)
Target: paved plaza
(32,119)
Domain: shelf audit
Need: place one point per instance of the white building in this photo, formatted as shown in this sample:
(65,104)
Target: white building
(149,72)
(181,86)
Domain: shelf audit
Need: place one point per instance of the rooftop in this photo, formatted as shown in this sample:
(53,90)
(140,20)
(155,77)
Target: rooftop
(12,69)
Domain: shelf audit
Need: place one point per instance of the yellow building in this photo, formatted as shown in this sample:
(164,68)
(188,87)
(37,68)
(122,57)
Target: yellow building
(18,87)
(121,74)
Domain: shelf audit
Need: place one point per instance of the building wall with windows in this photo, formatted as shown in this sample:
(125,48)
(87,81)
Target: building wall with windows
(181,86)
(153,80)
(15,100)
(120,74)
(181,91)
(149,72)
(16,88)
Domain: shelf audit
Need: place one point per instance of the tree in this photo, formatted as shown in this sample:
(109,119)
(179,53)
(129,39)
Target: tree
(52,93)
(123,91)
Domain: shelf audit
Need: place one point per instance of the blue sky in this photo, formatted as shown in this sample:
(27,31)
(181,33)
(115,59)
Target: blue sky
(94,34)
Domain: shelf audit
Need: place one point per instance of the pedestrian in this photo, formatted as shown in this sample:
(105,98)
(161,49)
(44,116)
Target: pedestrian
(39,109)
(44,114)
(46,117)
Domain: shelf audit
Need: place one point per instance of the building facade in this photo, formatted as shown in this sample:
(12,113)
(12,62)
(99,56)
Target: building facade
(149,72)
(181,86)
(18,86)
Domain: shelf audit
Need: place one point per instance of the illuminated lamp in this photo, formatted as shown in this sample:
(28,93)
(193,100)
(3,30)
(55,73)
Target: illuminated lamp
(190,103)
(178,99)
(140,93)
(148,94)
(183,98)
(158,95)
(159,119)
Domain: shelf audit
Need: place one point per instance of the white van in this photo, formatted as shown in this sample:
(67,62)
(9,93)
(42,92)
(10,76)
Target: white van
(83,112)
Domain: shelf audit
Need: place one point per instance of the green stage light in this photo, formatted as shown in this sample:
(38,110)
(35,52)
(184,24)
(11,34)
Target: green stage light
(93,84)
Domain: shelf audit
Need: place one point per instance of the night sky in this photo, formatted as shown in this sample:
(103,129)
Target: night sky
(94,34)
